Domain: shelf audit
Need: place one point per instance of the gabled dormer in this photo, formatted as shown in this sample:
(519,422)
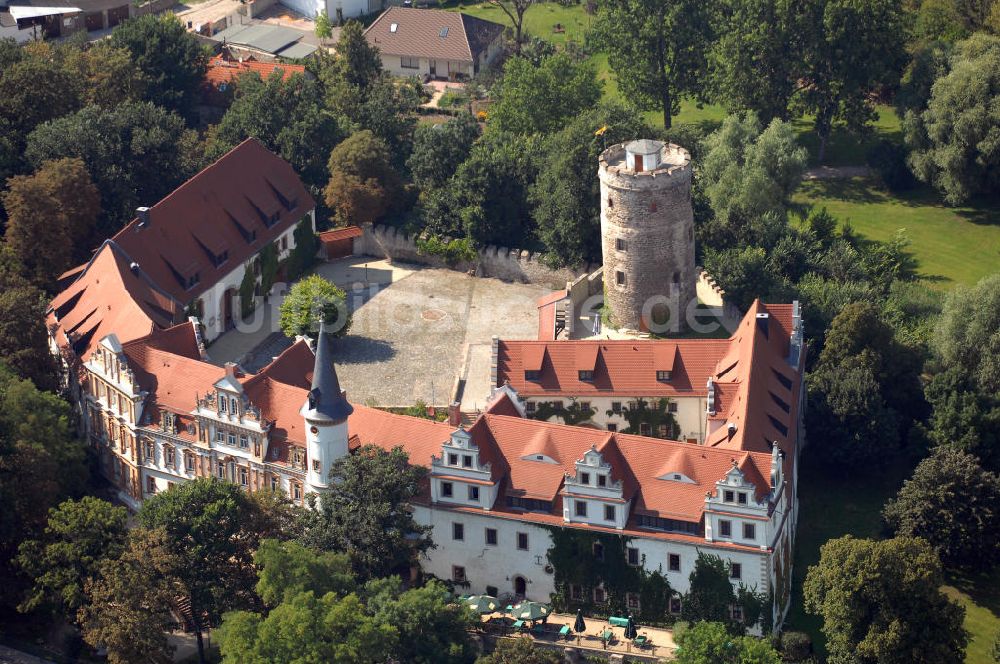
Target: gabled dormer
(733,512)
(230,401)
(592,495)
(460,476)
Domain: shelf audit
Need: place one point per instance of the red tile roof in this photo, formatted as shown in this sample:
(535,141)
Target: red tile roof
(225,70)
(432,33)
(216,220)
(340,234)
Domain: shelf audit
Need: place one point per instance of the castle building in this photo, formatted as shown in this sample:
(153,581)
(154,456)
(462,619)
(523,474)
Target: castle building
(499,493)
(647,235)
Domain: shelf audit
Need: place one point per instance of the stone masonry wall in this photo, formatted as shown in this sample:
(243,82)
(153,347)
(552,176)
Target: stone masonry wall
(499,262)
(650,211)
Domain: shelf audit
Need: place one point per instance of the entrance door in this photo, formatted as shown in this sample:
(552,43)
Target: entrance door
(433,68)
(638,163)
(227,308)
(520,587)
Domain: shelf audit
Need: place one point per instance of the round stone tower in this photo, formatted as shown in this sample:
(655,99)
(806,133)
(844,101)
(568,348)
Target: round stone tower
(647,235)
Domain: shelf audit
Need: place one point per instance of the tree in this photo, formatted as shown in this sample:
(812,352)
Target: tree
(303,256)
(51,219)
(710,592)
(363,184)
(307,628)
(323,29)
(515,10)
(79,537)
(130,605)
(711,643)
(171,59)
(755,36)
(542,98)
(657,50)
(521,651)
(438,149)
(953,142)
(367,512)
(655,414)
(565,197)
(311,301)
(209,526)
(953,504)
(432,629)
(136,153)
(287,117)
(881,602)
(749,171)
(41,463)
(105,75)
(288,568)
(964,389)
(24,340)
(849,49)
(34,90)
(355,67)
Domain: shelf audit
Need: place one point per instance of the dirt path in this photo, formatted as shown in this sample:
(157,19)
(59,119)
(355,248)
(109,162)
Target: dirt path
(837,172)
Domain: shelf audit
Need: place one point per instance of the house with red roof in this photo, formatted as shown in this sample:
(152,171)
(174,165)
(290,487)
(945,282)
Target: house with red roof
(224,71)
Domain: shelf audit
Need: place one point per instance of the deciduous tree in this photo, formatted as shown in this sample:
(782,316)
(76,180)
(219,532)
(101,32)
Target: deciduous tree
(363,184)
(51,219)
(515,11)
(311,301)
(881,603)
(521,651)
(24,341)
(171,59)
(955,505)
(79,538)
(711,643)
(711,593)
(438,149)
(289,568)
(368,514)
(657,50)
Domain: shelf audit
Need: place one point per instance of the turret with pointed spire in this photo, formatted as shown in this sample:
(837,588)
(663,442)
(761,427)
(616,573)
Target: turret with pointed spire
(325,412)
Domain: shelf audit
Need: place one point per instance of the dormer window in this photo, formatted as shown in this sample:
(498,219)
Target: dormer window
(663,375)
(586,375)
(452,459)
(233,406)
(223,401)
(728,496)
(602,480)
(530,374)
(584,478)
(466,461)
(741,498)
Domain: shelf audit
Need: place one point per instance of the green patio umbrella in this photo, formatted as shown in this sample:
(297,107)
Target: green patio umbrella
(579,625)
(530,611)
(482,603)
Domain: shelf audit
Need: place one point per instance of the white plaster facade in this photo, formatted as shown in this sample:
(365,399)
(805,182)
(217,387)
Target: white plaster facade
(690,412)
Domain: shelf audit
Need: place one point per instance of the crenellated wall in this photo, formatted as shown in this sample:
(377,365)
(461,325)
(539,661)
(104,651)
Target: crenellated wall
(500,262)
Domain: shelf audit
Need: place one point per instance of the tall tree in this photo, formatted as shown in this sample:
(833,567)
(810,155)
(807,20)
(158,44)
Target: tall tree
(881,603)
(711,593)
(105,75)
(24,339)
(367,512)
(521,650)
(711,643)
(849,49)
(51,219)
(79,537)
(955,505)
(656,49)
(130,604)
(210,527)
(286,116)
(288,568)
(171,59)
(515,11)
(756,36)
(363,185)
(438,149)
(953,142)
(136,153)
(311,301)
(307,628)
(542,98)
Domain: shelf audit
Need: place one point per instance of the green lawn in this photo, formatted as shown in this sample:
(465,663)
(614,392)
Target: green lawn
(981,599)
(957,245)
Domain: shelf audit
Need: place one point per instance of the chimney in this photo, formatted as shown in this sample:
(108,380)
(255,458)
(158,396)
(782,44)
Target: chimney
(231,370)
(454,413)
(143,214)
(762,323)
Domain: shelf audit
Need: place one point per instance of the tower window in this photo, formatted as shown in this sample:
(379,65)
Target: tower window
(652,206)
(619,277)
(677,277)
(620,244)
(611,202)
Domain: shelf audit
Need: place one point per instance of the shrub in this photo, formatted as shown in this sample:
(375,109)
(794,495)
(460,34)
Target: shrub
(888,159)
(795,646)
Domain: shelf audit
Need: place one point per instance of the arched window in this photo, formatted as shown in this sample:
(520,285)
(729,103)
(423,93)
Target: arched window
(611,202)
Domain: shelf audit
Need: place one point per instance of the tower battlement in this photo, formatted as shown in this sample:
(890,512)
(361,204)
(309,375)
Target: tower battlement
(647,234)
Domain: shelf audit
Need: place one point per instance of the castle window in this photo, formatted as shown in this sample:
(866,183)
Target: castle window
(491,536)
(452,459)
(645,429)
(530,374)
(619,277)
(274,483)
(296,491)
(611,202)
(529,407)
(244,477)
(736,611)
(446,489)
(663,375)
(599,596)
(612,427)
(616,407)
(675,605)
(575,591)
(150,449)
(674,562)
(222,403)
(584,478)
(188,461)
(585,406)
(652,206)
(741,498)
(609,512)
(168,454)
(672,407)
(474,493)
(581,508)
(728,496)
(219,436)
(677,277)
(735,571)
(602,480)
(317,466)
(725,528)
(466,461)
(233,407)
(221,470)
(457,531)
(620,244)
(632,601)
(232,439)
(749,531)
(458,573)
(150,485)
(586,375)
(632,556)
(598,550)
(244,441)
(522,541)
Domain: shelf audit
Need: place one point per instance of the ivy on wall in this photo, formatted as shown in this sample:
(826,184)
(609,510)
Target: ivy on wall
(657,413)
(268,267)
(575,413)
(303,255)
(247,287)
(573,559)
(711,595)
